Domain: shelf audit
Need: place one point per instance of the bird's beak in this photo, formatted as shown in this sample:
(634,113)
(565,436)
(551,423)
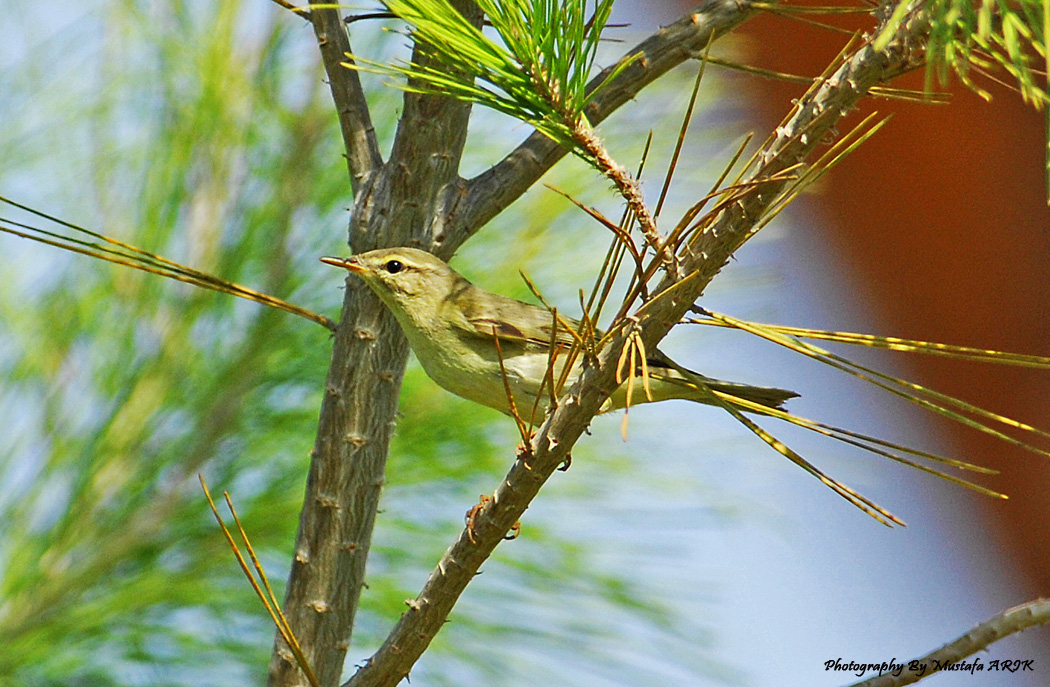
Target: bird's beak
(346,263)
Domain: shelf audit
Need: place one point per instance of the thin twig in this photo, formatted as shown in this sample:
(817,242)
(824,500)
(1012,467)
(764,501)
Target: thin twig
(1011,621)
(124,254)
(355,121)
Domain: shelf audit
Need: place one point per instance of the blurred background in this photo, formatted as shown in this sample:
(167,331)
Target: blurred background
(691,553)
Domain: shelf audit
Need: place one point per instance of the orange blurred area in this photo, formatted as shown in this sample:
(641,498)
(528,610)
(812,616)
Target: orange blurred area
(943,221)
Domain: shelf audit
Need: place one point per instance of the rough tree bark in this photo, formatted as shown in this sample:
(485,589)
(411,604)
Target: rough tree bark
(403,201)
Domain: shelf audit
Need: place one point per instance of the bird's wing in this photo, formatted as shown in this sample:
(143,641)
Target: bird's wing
(514,322)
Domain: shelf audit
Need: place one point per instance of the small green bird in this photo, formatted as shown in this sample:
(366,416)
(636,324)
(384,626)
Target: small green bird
(453,327)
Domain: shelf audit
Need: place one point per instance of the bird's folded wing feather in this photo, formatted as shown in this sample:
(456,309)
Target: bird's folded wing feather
(514,322)
(530,326)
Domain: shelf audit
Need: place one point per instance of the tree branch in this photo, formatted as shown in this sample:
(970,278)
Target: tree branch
(359,136)
(432,128)
(401,202)
(1011,621)
(347,465)
(499,186)
(812,122)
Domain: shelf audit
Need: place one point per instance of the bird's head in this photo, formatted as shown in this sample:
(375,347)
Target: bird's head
(411,282)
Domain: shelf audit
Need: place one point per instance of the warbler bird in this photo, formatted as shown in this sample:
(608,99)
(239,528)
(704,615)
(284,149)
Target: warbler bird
(453,328)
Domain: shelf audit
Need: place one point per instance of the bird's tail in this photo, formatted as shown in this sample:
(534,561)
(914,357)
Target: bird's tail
(675,381)
(768,396)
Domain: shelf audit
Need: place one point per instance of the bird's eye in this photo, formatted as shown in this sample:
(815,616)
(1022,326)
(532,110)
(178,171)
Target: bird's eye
(394,266)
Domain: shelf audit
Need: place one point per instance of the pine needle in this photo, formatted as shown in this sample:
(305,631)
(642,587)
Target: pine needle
(268,598)
(124,254)
(880,514)
(934,401)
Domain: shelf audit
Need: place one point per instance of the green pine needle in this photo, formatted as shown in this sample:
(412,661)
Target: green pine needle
(536,68)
